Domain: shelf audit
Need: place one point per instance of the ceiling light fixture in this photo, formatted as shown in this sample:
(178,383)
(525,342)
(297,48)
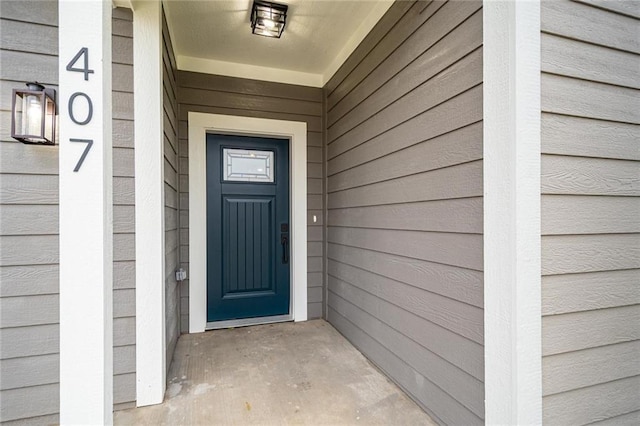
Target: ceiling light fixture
(268,19)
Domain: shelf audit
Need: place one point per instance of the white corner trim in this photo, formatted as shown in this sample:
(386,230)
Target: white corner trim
(378,9)
(86,218)
(254,72)
(512,273)
(149,202)
(296,132)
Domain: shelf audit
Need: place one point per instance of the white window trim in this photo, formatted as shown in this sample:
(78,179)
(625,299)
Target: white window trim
(199,125)
(512,274)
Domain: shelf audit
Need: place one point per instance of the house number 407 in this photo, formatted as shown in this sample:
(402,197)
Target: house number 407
(73,66)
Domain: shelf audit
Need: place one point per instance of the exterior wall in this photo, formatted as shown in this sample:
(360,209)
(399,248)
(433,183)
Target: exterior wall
(235,96)
(29,254)
(29,227)
(404,200)
(590,212)
(124,260)
(170,143)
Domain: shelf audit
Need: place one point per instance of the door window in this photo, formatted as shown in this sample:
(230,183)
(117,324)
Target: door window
(240,165)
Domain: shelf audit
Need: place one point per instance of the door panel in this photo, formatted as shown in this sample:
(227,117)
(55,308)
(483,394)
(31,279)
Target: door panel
(248,234)
(248,275)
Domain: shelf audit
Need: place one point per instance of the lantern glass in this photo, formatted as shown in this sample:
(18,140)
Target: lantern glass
(34,115)
(49,119)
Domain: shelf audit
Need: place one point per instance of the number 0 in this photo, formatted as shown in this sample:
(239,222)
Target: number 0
(89,104)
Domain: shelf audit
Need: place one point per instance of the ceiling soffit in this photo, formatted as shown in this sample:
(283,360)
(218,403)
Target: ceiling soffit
(215,37)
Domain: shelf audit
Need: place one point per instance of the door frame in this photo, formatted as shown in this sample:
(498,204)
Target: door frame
(296,132)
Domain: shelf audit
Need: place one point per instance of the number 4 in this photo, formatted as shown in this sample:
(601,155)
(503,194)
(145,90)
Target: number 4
(82,52)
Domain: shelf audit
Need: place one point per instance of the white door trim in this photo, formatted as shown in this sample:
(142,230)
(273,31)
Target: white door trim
(512,275)
(296,132)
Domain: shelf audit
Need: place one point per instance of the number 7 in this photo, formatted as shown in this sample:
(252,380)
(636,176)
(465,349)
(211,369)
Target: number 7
(89,143)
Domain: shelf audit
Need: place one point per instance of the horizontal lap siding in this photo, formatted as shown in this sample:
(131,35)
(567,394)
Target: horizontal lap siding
(251,98)
(590,212)
(171,226)
(29,225)
(124,293)
(29,271)
(404,222)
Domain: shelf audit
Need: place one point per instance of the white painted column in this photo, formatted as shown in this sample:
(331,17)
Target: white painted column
(512,274)
(86,229)
(149,186)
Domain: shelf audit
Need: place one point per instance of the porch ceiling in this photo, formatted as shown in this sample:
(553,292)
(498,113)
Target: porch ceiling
(215,37)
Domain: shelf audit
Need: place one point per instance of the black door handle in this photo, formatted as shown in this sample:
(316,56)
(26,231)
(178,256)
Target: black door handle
(284,240)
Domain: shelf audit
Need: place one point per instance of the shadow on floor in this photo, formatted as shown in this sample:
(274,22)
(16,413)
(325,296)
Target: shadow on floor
(286,373)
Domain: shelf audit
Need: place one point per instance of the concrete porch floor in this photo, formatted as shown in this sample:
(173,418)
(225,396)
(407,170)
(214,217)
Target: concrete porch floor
(286,373)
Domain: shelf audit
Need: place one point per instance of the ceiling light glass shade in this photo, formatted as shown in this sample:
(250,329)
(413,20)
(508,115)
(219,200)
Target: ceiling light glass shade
(33,115)
(268,19)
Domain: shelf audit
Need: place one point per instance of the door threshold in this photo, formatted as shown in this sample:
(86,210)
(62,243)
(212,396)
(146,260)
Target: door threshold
(244,322)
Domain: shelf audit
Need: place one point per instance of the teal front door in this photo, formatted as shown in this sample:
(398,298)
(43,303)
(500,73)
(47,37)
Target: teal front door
(248,265)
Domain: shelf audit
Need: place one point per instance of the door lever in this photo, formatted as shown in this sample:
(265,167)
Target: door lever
(284,240)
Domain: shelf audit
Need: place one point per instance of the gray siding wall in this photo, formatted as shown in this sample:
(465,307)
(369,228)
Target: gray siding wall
(590,212)
(170,143)
(404,200)
(124,250)
(29,227)
(29,255)
(236,96)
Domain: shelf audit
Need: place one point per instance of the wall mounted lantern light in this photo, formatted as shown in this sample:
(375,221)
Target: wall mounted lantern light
(33,114)
(268,19)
